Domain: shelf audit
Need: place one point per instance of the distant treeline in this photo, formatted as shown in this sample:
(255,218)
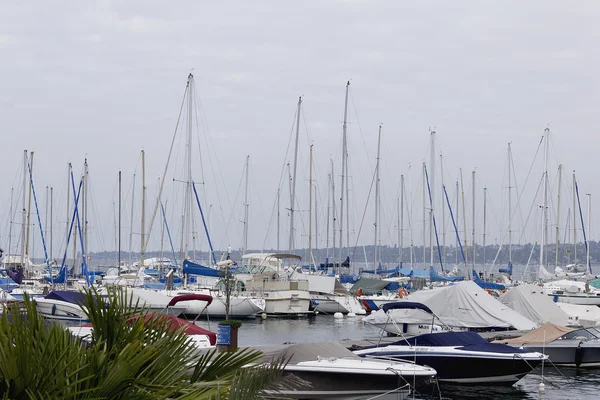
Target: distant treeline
(390,255)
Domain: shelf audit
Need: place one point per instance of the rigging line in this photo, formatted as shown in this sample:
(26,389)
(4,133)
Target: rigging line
(160,190)
(520,194)
(363,217)
(360,130)
(235,200)
(280,184)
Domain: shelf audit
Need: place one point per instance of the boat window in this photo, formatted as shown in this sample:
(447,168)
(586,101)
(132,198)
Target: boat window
(579,334)
(595,332)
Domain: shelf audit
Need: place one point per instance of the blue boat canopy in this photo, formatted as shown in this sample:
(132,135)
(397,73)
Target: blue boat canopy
(445,339)
(406,305)
(487,285)
(197,269)
(70,296)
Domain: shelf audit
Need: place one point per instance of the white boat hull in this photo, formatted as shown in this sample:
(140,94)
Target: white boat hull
(60,310)
(287,302)
(330,304)
(239,307)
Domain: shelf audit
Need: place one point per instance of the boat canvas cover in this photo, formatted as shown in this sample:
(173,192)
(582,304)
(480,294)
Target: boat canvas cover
(586,315)
(197,269)
(369,286)
(464,305)
(69,296)
(306,351)
(544,334)
(531,302)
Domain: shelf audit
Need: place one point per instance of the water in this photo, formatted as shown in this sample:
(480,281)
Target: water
(569,383)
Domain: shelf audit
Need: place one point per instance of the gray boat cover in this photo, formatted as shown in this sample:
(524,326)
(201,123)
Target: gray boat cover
(544,334)
(306,351)
(464,305)
(531,302)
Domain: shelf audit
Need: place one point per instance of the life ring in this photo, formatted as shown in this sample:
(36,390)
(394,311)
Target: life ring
(402,293)
(489,292)
(359,292)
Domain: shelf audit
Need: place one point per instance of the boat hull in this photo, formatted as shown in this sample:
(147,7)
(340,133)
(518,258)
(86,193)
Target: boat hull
(330,304)
(480,368)
(60,310)
(570,353)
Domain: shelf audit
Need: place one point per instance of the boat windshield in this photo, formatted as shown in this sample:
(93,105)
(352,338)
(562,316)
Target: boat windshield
(587,334)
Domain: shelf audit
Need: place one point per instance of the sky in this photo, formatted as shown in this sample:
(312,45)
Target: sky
(105,80)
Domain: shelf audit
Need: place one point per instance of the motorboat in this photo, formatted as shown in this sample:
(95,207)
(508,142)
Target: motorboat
(459,357)
(573,292)
(66,305)
(330,371)
(567,347)
(464,306)
(265,275)
(240,306)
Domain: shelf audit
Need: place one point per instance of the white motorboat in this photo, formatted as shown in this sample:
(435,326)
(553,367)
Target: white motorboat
(240,307)
(63,305)
(330,371)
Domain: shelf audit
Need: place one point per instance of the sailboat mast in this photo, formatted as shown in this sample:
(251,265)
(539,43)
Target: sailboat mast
(344,169)
(431,196)
(246,207)
(28,208)
(143,222)
(443,209)
(589,216)
(462,187)
(188,199)
(558,213)
(509,206)
(574,220)
(51,220)
(119,227)
(328,216)
(544,205)
(310,255)
(278,217)
(457,221)
(131,221)
(401,222)
(484,221)
(293,179)
(332,210)
(85,205)
(377,199)
(424,215)
(24,210)
(473,235)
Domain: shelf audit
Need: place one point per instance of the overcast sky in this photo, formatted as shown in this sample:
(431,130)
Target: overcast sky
(106,79)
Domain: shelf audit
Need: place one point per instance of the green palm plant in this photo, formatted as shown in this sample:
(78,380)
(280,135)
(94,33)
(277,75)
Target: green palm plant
(130,355)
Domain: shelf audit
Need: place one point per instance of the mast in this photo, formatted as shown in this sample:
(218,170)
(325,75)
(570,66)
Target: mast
(327,219)
(484,221)
(442,208)
(293,191)
(143,229)
(457,220)
(85,205)
(544,205)
(131,221)
(464,224)
(278,217)
(574,219)
(473,236)
(12,192)
(68,202)
(316,228)
(46,199)
(24,210)
(188,199)
(28,209)
(310,255)
(119,229)
(344,169)
(377,199)
(333,211)
(431,197)
(51,219)
(509,208)
(589,216)
(424,215)
(246,207)
(558,213)
(401,221)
